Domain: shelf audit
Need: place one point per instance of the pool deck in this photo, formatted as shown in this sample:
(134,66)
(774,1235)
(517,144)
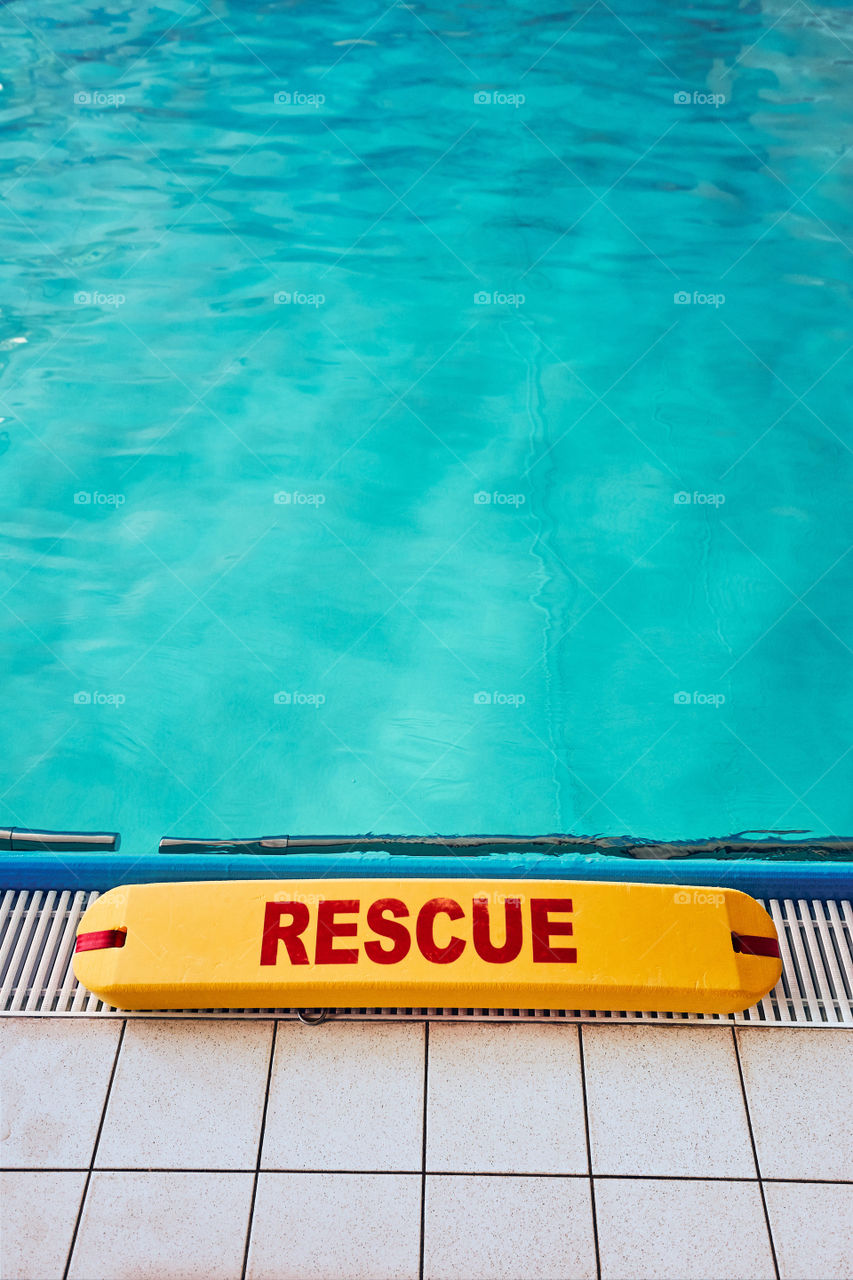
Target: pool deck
(170,1148)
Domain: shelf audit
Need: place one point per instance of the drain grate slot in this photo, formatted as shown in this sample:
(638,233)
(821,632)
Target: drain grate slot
(38,930)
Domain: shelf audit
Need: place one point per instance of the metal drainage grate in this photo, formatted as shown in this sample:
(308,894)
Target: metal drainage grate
(38,929)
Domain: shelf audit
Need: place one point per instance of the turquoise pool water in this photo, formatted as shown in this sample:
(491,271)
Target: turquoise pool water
(538,324)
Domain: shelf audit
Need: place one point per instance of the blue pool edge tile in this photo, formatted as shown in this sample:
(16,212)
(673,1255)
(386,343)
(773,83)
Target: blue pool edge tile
(98,871)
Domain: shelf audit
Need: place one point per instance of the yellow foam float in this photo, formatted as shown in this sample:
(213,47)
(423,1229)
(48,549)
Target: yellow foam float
(538,944)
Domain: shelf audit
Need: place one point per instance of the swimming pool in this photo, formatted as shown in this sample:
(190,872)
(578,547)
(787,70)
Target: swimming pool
(424,419)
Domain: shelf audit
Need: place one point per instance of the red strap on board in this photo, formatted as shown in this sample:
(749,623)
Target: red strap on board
(749,944)
(101,940)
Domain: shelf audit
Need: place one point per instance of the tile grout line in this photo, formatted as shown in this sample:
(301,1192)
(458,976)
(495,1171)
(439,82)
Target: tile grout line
(94,1154)
(755,1155)
(589,1154)
(424,1152)
(257,1171)
(445,1173)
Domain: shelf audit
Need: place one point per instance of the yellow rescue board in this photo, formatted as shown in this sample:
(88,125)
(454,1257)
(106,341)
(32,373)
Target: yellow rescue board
(539,944)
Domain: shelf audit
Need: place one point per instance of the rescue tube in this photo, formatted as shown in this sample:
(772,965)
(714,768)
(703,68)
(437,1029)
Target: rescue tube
(539,944)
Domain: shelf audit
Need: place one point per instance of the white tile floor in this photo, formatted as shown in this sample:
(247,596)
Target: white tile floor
(502,1103)
(365,1151)
(198,1078)
(681,1229)
(344,1101)
(666,1105)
